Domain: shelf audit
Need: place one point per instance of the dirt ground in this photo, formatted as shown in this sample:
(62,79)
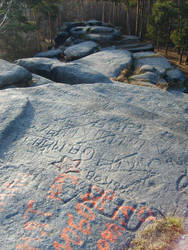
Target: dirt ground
(173,58)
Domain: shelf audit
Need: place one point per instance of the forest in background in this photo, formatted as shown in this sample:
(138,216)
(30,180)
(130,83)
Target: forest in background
(29,26)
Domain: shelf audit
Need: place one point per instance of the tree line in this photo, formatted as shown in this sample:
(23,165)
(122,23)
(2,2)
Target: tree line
(164,22)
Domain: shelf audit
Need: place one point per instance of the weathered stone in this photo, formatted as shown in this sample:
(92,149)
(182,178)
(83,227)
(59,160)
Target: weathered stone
(161,64)
(146,77)
(103,39)
(50,53)
(80,50)
(147,47)
(71,41)
(76,73)
(128,40)
(87,166)
(38,65)
(39,80)
(147,68)
(61,38)
(79,31)
(108,62)
(69,25)
(139,55)
(94,23)
(102,30)
(175,75)
(12,74)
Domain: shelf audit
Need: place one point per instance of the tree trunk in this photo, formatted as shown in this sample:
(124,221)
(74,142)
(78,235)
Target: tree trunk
(128,18)
(137,18)
(166,49)
(103,10)
(186,60)
(181,56)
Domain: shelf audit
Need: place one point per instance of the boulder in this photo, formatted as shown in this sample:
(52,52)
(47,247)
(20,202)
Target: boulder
(67,26)
(103,39)
(160,63)
(108,62)
(139,55)
(50,53)
(12,74)
(147,68)
(175,75)
(61,38)
(76,73)
(72,41)
(80,50)
(38,65)
(79,31)
(102,30)
(94,23)
(127,40)
(88,166)
(147,47)
(39,80)
(146,77)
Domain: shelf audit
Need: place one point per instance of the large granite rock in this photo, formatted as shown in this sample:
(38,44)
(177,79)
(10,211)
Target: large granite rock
(98,67)
(87,166)
(160,63)
(80,50)
(92,30)
(76,73)
(147,76)
(38,65)
(175,75)
(50,53)
(109,62)
(12,74)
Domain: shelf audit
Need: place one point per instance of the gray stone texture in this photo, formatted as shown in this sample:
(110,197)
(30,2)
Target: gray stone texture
(80,50)
(88,166)
(175,75)
(12,74)
(160,63)
(50,53)
(108,62)
(38,65)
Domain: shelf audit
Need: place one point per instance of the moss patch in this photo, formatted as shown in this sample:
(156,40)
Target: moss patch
(159,235)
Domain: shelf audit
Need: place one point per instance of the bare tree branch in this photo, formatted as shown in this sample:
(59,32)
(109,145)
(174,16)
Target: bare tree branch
(6,14)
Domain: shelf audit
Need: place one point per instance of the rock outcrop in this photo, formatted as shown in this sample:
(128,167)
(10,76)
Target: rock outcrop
(11,74)
(80,50)
(87,166)
(88,54)
(87,161)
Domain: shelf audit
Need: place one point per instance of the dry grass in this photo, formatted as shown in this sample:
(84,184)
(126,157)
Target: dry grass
(159,235)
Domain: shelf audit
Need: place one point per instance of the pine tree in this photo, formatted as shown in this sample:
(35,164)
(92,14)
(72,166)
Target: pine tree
(180,34)
(15,24)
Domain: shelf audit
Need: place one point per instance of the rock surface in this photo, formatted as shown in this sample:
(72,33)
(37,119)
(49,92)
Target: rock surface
(87,166)
(98,67)
(160,63)
(38,65)
(92,30)
(108,62)
(12,74)
(147,76)
(76,73)
(80,50)
(175,75)
(50,53)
